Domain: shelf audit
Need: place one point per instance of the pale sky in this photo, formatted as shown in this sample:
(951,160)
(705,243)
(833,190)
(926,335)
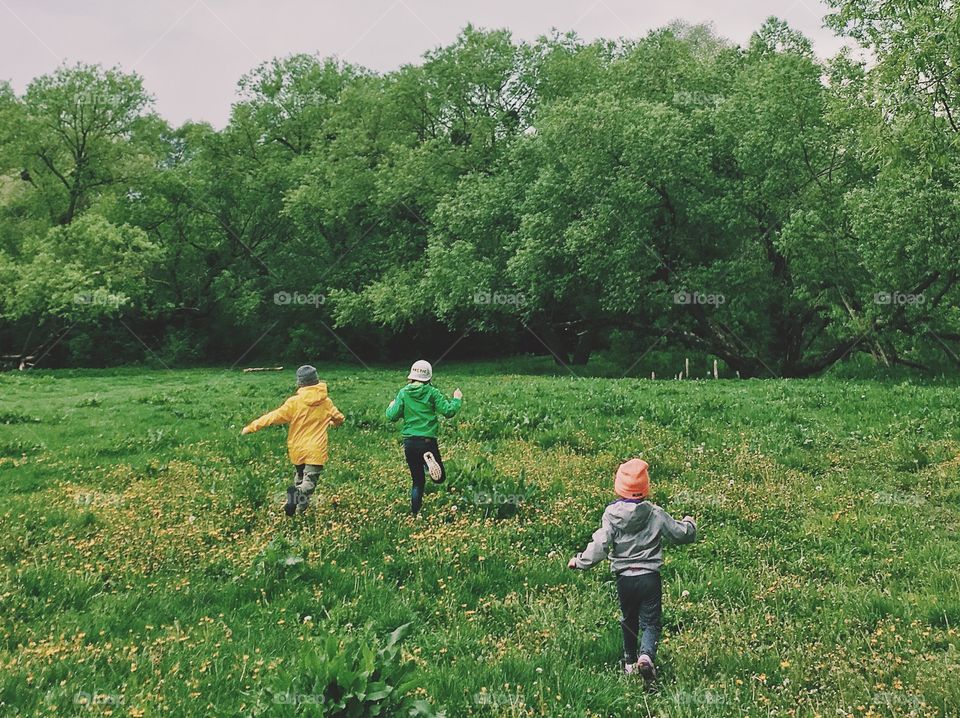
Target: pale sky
(192,52)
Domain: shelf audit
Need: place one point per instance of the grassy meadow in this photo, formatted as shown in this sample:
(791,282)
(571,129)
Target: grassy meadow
(146,567)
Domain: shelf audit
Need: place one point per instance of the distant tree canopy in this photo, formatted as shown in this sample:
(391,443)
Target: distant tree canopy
(754,204)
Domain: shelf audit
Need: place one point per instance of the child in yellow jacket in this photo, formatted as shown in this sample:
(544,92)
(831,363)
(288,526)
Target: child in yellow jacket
(308,413)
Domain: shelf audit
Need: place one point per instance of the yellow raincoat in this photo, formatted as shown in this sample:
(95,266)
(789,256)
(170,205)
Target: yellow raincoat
(308,412)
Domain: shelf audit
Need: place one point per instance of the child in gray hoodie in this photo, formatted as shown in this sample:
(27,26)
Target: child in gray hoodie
(630,536)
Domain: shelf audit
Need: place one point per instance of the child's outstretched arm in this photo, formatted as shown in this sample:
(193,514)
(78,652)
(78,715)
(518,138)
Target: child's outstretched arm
(272,418)
(336,418)
(448,407)
(596,550)
(683,531)
(395,410)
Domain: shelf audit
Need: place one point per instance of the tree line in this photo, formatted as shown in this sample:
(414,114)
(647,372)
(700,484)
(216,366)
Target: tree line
(756,204)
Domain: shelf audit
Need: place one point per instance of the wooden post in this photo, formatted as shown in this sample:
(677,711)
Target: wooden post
(686,368)
(715,369)
(653,375)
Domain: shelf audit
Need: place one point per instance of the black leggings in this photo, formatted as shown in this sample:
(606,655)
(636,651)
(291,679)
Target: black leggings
(414,448)
(641,605)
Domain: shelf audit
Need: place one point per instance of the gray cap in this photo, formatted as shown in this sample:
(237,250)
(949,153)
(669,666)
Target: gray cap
(307,376)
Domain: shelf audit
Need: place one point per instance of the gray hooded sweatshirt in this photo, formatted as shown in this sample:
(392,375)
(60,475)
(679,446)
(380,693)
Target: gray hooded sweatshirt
(630,535)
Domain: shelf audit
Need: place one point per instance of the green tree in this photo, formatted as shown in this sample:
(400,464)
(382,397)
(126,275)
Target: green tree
(73,148)
(905,220)
(79,135)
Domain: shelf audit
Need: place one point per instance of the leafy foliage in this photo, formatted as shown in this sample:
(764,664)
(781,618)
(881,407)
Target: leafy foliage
(758,205)
(350,677)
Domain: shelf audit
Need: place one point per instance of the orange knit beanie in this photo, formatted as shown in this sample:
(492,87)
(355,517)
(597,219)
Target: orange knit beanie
(633,479)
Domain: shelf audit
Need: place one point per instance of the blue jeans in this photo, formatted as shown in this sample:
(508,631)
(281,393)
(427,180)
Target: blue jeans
(641,603)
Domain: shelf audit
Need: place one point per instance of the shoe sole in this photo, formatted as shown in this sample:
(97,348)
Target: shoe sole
(436,473)
(649,673)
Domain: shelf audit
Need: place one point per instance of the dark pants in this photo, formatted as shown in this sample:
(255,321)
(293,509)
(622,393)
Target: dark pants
(641,603)
(414,448)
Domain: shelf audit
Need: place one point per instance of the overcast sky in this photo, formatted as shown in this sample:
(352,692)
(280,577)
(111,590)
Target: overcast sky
(192,52)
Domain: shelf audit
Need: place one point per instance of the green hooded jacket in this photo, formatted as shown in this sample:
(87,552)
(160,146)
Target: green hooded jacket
(418,405)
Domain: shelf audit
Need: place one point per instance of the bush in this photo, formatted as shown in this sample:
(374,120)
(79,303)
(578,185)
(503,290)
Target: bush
(493,494)
(349,677)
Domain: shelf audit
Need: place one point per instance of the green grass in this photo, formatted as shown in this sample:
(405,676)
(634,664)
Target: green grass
(146,562)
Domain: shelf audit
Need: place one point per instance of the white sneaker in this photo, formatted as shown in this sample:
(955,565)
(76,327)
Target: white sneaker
(629,669)
(436,473)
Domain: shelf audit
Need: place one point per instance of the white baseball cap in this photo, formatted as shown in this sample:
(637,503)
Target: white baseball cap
(421,371)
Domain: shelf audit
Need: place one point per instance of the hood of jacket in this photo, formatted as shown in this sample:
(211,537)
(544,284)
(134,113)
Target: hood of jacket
(630,515)
(313,395)
(417,390)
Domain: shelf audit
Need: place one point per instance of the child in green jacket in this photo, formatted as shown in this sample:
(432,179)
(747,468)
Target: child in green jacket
(418,404)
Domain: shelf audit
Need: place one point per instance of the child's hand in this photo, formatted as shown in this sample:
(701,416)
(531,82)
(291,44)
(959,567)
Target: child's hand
(458,394)
(572,563)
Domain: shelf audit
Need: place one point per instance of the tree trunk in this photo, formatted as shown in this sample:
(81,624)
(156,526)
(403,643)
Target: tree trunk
(555,343)
(581,353)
